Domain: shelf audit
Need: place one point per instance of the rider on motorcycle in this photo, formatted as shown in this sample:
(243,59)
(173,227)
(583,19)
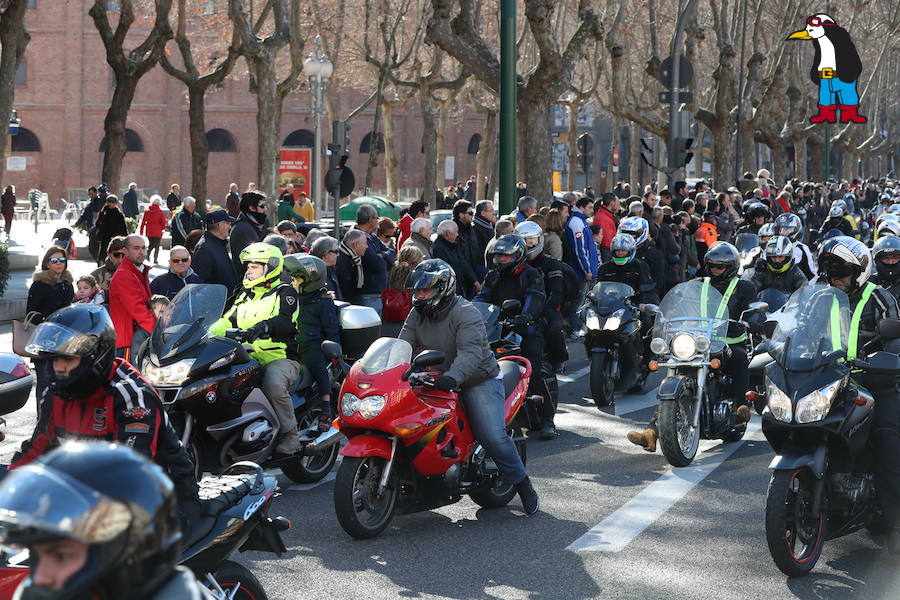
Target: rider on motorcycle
(552,272)
(512,279)
(777,270)
(766,233)
(790,226)
(846,264)
(837,221)
(317,321)
(755,216)
(265,309)
(442,320)
(721,263)
(639,229)
(99,522)
(886,253)
(92,395)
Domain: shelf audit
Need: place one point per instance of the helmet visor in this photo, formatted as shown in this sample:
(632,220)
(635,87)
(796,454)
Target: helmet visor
(40,504)
(54,339)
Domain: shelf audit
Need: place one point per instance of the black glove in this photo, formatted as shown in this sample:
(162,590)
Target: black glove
(257,331)
(520,320)
(445,383)
(189,511)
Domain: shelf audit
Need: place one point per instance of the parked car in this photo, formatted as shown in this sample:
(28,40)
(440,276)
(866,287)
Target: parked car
(385,207)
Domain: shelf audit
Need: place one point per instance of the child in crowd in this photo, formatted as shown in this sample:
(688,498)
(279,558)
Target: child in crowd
(87,291)
(158,304)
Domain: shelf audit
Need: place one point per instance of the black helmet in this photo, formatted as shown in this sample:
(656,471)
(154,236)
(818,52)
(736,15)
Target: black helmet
(790,226)
(118,503)
(309,269)
(82,330)
(888,245)
(755,209)
(842,256)
(437,275)
(511,246)
(722,254)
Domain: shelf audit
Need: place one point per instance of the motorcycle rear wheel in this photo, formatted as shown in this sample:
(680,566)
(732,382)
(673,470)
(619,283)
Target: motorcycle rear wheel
(360,510)
(603,386)
(502,493)
(677,435)
(789,522)
(312,468)
(231,575)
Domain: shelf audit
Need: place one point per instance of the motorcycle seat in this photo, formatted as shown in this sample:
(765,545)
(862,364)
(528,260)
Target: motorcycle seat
(303,381)
(510,371)
(218,494)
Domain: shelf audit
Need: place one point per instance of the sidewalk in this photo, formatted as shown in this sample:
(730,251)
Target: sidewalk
(26,252)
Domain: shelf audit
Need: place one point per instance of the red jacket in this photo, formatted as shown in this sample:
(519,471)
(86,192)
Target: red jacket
(606,221)
(129,292)
(154,222)
(403,225)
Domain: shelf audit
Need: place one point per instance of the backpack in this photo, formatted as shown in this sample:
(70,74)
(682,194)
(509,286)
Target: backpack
(571,283)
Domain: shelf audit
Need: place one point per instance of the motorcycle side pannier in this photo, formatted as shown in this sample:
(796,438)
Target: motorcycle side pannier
(360,327)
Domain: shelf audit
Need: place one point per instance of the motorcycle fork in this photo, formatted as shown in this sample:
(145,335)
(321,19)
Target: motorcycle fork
(385,476)
(188,429)
(701,390)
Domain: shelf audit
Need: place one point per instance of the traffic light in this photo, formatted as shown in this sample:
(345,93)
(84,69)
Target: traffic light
(585,152)
(683,154)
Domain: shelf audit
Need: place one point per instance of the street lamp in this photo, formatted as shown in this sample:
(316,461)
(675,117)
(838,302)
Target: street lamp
(319,70)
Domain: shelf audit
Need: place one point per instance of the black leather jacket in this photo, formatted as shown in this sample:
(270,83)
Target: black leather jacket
(788,282)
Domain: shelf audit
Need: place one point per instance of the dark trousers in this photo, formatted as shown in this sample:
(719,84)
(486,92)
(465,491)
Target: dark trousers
(8,217)
(885,439)
(154,246)
(555,338)
(532,348)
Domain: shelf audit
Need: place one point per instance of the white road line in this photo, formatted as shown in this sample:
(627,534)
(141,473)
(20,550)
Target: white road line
(618,530)
(624,405)
(573,377)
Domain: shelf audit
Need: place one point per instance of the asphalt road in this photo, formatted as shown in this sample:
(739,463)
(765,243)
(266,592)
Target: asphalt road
(615,522)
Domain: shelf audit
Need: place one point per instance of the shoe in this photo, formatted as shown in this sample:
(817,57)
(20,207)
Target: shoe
(530,501)
(892,541)
(645,439)
(559,368)
(575,337)
(548,432)
(827,114)
(742,414)
(289,443)
(849,114)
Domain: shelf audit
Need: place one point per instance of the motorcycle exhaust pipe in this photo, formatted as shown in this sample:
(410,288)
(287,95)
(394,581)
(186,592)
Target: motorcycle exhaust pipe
(325,441)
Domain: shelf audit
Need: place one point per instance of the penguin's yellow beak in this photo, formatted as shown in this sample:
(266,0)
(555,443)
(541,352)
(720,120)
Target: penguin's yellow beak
(800,35)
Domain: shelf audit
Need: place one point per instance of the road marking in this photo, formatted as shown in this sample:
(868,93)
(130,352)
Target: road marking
(573,377)
(624,406)
(305,487)
(620,528)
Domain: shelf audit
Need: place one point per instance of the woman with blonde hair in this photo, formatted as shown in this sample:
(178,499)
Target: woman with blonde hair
(553,234)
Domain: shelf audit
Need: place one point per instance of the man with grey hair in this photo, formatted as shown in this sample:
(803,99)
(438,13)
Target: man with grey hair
(483,228)
(326,248)
(180,274)
(185,221)
(570,198)
(130,202)
(349,269)
(636,208)
(446,248)
(420,237)
(314,234)
(376,260)
(527,206)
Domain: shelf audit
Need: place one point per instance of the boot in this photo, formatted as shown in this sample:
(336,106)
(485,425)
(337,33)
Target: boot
(827,114)
(892,541)
(742,413)
(849,114)
(548,431)
(529,497)
(645,439)
(289,443)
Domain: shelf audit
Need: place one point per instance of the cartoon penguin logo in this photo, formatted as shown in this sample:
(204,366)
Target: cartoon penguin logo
(835,69)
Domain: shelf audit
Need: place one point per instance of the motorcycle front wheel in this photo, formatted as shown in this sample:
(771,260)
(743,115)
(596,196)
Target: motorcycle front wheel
(794,534)
(235,576)
(677,435)
(603,385)
(361,510)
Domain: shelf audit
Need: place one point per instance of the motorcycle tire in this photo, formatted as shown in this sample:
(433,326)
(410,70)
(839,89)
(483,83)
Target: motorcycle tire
(502,493)
(789,498)
(363,474)
(231,575)
(312,468)
(679,444)
(602,385)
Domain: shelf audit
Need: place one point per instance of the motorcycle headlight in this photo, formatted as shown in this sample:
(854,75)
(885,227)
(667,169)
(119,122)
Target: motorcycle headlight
(779,403)
(173,374)
(368,407)
(591,319)
(702,343)
(815,406)
(658,346)
(348,404)
(615,320)
(684,346)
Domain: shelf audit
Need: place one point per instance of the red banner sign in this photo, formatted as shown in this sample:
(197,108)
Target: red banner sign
(296,169)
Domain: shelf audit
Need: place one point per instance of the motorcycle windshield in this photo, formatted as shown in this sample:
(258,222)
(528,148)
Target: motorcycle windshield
(384,355)
(490,314)
(609,296)
(813,328)
(695,308)
(745,242)
(774,298)
(186,321)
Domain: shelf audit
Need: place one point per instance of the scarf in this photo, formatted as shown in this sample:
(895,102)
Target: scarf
(357,262)
(482,222)
(258,220)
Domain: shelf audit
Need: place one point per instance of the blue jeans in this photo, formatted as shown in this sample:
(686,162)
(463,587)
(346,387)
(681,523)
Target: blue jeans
(484,405)
(834,91)
(370,300)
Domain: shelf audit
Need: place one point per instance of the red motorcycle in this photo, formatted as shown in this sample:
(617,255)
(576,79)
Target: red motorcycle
(410,446)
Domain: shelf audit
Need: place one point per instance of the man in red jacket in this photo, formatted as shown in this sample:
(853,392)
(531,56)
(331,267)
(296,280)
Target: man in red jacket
(605,218)
(129,294)
(417,209)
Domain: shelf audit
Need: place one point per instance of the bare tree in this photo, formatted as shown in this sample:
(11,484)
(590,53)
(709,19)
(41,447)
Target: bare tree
(128,68)
(13,39)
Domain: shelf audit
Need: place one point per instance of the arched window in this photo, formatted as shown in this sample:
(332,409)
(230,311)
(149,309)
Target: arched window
(366,144)
(474,143)
(25,141)
(133,142)
(301,138)
(220,140)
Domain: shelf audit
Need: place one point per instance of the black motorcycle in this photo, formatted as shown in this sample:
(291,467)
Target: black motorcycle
(211,389)
(817,419)
(689,339)
(612,341)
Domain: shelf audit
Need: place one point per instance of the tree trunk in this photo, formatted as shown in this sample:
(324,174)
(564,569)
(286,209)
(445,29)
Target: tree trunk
(722,140)
(850,166)
(747,150)
(373,138)
(493,188)
(441,143)
(537,160)
(13,40)
(429,144)
(635,165)
(199,147)
(268,129)
(816,150)
(778,162)
(390,159)
(485,152)
(572,154)
(800,158)
(114,130)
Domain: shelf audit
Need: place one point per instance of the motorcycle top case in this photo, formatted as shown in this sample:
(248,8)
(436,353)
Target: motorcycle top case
(360,327)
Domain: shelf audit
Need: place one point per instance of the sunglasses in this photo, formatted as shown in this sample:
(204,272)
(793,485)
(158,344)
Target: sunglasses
(118,254)
(471,213)
(57,260)
(817,22)
(179,260)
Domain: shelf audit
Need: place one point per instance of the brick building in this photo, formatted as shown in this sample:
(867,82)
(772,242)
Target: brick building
(64,86)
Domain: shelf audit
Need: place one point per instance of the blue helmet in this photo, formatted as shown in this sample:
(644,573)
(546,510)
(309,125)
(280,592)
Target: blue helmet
(636,227)
(623,242)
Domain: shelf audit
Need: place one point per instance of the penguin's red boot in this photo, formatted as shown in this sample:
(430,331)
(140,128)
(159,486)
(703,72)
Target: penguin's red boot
(849,114)
(827,114)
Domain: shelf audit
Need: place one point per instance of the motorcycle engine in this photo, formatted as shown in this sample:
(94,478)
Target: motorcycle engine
(855,487)
(255,436)
(721,415)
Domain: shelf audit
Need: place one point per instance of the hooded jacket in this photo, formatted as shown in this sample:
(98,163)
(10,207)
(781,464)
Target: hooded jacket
(584,251)
(48,294)
(153,223)
(129,292)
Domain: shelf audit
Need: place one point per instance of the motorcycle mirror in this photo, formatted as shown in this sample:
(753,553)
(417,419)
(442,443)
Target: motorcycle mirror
(429,358)
(509,308)
(649,308)
(331,350)
(883,362)
(758,307)
(889,329)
